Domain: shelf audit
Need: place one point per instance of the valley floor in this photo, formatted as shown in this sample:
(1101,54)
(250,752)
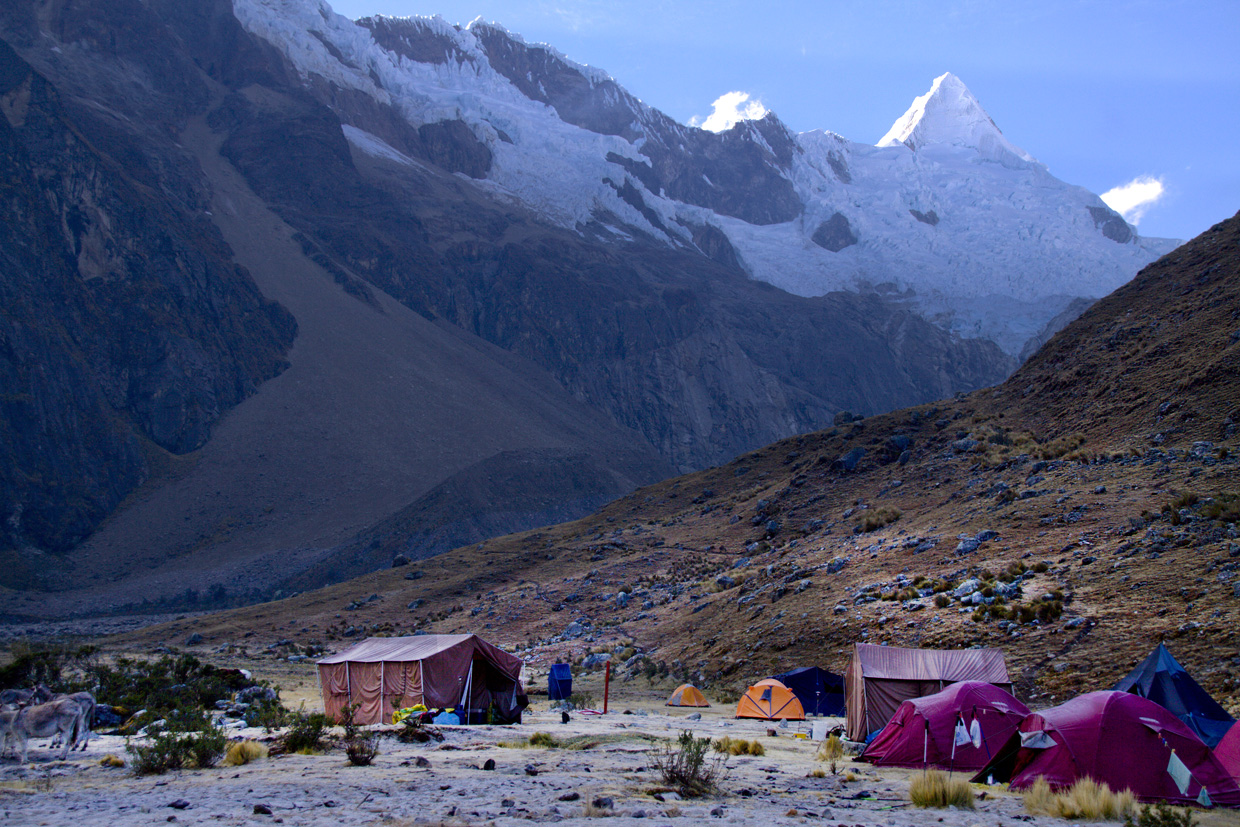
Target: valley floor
(776,788)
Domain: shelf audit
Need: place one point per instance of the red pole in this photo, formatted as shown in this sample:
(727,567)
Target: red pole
(606,686)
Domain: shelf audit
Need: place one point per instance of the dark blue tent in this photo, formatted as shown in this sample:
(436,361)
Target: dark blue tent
(1161,679)
(560,682)
(819,691)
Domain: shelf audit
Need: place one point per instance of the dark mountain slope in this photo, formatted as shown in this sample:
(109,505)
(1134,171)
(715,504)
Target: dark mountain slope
(1073,516)
(126,325)
(171,167)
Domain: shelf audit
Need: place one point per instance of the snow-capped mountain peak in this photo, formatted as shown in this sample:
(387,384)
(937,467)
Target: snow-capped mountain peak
(964,225)
(950,114)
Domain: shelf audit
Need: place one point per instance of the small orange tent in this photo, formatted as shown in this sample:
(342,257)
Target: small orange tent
(770,700)
(687,695)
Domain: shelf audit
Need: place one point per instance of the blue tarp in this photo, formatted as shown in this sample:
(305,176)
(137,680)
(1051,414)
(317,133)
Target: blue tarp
(560,682)
(1161,679)
(819,691)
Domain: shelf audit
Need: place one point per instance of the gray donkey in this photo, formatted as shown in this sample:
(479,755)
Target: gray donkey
(61,717)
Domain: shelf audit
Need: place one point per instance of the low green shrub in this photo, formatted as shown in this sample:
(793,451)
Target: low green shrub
(185,741)
(306,732)
(687,767)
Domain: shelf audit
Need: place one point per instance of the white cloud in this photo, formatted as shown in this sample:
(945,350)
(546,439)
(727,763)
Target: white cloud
(1131,200)
(730,109)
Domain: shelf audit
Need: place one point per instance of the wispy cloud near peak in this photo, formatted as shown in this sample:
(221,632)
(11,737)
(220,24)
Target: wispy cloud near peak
(730,109)
(1131,200)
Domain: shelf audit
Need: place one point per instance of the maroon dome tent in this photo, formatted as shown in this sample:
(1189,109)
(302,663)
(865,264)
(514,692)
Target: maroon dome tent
(1228,751)
(1119,739)
(923,730)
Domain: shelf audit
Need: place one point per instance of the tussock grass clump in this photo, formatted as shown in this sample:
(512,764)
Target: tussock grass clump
(738,746)
(934,789)
(876,519)
(543,739)
(1085,800)
(240,753)
(1061,446)
(830,752)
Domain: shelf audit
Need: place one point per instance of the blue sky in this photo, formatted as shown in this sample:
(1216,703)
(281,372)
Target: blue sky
(1103,93)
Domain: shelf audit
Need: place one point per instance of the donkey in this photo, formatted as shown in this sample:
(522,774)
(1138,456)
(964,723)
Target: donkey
(6,728)
(87,702)
(39,694)
(44,720)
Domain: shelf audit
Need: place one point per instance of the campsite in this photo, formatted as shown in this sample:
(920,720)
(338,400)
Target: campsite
(559,759)
(599,768)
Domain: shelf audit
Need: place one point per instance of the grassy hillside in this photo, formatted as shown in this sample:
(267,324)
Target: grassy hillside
(1098,489)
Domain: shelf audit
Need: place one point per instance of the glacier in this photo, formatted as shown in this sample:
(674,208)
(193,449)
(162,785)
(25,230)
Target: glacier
(945,213)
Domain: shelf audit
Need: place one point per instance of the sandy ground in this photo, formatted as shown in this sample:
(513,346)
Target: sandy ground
(525,784)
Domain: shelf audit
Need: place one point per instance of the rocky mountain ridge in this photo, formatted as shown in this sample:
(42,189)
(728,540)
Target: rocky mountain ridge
(324,342)
(967,228)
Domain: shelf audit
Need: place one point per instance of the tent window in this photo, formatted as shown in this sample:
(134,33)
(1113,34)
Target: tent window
(766,694)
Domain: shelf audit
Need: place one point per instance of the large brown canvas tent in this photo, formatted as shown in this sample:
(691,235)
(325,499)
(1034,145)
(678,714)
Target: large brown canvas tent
(880,678)
(463,672)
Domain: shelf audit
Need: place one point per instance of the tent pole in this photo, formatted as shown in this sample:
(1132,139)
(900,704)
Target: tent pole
(925,748)
(606,686)
(469,680)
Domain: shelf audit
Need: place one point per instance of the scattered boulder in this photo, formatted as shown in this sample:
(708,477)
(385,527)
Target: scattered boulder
(847,462)
(967,587)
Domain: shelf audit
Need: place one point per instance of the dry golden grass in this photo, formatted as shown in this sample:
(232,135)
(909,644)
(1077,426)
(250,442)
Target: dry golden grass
(934,789)
(111,760)
(830,751)
(738,746)
(243,752)
(1085,800)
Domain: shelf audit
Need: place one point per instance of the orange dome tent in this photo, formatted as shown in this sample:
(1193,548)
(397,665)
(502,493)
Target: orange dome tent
(687,695)
(770,700)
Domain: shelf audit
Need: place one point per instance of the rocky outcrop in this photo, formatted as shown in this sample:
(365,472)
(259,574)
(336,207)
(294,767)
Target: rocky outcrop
(1112,224)
(834,234)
